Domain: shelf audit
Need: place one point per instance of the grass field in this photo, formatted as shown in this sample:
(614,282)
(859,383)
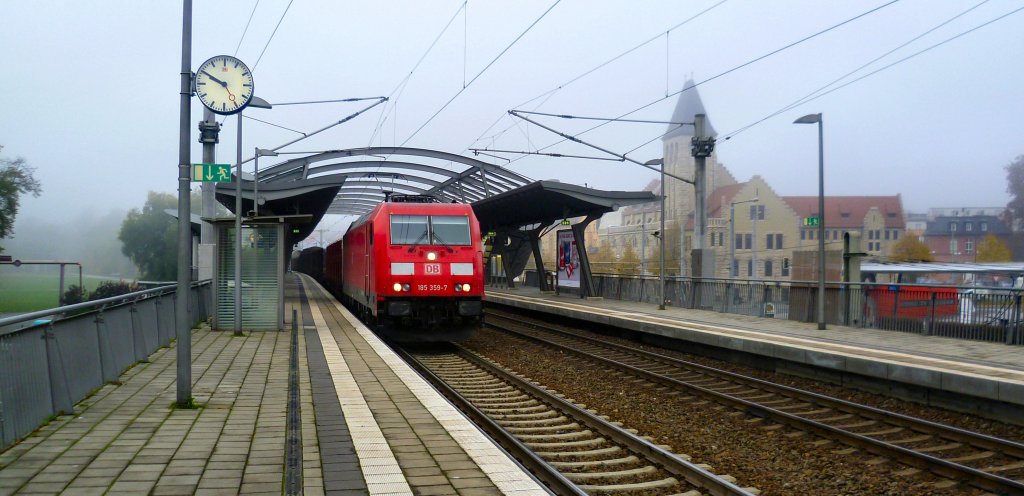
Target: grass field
(22,291)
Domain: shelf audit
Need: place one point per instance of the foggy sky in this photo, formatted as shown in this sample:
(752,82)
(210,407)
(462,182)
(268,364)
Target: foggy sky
(89,90)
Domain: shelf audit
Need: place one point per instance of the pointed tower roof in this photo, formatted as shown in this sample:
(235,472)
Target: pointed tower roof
(688,105)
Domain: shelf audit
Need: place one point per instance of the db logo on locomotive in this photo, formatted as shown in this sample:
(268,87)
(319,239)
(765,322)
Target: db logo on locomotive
(432,269)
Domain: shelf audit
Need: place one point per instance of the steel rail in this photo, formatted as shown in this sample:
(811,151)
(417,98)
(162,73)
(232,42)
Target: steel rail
(657,455)
(938,466)
(536,465)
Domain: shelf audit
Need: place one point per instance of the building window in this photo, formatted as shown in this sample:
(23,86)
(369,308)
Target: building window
(810,235)
(952,227)
(748,241)
(895,235)
(878,234)
(721,237)
(738,242)
(969,246)
(871,235)
(767,268)
(984,226)
(757,212)
(803,234)
(735,266)
(968,226)
(952,246)
(750,268)
(769,242)
(778,241)
(887,235)
(785,267)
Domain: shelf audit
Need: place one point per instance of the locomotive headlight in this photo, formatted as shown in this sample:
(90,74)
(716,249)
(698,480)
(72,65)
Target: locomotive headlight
(405,287)
(465,288)
(431,256)
(397,286)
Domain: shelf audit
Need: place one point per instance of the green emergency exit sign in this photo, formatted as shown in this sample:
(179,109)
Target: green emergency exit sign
(211,173)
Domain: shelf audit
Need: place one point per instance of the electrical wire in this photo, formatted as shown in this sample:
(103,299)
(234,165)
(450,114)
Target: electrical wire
(548,94)
(246,30)
(482,71)
(818,92)
(275,125)
(258,59)
(735,68)
(385,113)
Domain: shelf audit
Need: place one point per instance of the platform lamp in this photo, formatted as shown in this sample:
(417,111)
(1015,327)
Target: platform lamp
(816,119)
(661,235)
(255,102)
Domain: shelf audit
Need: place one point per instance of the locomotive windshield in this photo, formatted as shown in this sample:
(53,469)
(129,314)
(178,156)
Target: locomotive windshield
(442,230)
(450,229)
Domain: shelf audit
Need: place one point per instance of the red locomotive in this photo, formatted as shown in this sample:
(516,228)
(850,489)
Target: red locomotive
(413,269)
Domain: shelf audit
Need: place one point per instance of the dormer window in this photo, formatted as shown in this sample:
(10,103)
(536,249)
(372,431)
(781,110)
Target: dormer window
(952,227)
(968,226)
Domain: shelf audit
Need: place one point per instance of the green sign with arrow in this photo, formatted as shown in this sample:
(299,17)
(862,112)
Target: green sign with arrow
(211,173)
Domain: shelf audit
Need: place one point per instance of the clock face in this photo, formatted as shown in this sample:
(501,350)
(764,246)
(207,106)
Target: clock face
(224,84)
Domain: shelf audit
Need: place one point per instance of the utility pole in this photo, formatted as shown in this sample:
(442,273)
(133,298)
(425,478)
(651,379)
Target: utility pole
(209,136)
(701,147)
(183,332)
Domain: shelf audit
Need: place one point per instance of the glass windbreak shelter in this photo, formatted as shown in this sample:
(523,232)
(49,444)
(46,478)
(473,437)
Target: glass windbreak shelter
(262,277)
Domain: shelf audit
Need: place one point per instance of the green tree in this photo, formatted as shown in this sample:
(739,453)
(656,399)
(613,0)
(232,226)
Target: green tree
(992,249)
(149,238)
(911,249)
(16,179)
(602,261)
(629,263)
(1015,187)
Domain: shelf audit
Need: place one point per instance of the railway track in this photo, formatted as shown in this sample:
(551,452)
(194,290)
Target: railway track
(573,450)
(982,461)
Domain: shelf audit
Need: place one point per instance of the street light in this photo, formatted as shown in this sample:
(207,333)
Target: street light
(732,235)
(816,119)
(255,102)
(260,152)
(661,236)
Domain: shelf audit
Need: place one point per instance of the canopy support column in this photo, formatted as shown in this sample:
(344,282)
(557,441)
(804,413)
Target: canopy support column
(587,288)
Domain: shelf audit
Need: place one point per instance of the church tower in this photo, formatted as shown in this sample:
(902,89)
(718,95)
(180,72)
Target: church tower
(679,199)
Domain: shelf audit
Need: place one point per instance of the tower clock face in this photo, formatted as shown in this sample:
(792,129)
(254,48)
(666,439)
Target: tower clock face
(224,84)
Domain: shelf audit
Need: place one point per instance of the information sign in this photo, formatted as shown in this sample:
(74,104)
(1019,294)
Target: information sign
(211,173)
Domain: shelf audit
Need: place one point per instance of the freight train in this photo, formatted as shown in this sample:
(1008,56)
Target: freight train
(412,269)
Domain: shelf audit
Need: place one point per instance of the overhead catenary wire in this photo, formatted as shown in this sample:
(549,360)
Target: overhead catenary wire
(818,92)
(258,59)
(246,30)
(548,94)
(735,68)
(401,84)
(482,71)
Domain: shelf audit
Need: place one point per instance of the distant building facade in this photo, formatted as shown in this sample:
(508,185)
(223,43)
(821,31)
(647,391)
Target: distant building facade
(957,238)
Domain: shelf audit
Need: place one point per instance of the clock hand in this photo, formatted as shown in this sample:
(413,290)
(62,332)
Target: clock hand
(218,81)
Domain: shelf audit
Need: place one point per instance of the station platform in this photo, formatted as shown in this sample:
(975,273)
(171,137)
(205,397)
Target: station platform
(972,376)
(369,424)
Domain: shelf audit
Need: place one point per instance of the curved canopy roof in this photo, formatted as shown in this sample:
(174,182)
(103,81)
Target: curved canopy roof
(543,202)
(370,174)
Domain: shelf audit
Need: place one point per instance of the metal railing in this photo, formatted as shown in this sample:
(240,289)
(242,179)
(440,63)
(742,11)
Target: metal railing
(962,312)
(52,359)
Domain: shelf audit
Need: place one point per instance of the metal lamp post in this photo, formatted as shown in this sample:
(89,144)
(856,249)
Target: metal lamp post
(661,235)
(260,152)
(816,119)
(255,102)
(732,235)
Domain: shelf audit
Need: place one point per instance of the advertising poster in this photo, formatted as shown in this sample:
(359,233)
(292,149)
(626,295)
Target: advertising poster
(568,260)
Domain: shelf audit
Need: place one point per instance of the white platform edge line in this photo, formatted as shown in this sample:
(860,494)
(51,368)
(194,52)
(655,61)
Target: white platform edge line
(811,345)
(450,417)
(354,406)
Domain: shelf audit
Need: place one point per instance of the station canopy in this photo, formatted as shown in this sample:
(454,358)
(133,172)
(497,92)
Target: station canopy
(501,198)
(371,174)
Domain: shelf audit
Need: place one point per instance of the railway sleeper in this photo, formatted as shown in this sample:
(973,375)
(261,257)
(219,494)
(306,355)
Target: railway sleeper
(628,460)
(508,402)
(1005,468)
(547,428)
(557,438)
(535,420)
(941,447)
(594,453)
(569,445)
(516,411)
(508,418)
(635,487)
(619,474)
